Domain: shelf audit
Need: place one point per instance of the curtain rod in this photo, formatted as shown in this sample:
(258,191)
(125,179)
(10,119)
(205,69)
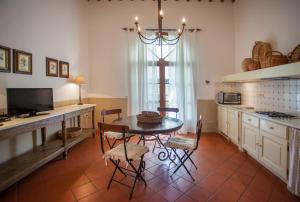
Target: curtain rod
(167,30)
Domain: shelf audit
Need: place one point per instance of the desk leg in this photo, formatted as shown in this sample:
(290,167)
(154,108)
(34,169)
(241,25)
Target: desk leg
(78,121)
(64,136)
(43,133)
(93,123)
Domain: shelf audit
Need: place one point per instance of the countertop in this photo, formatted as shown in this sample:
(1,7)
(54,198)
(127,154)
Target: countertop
(290,122)
(53,113)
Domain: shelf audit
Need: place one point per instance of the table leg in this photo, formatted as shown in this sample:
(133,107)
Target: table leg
(64,136)
(165,154)
(93,123)
(43,133)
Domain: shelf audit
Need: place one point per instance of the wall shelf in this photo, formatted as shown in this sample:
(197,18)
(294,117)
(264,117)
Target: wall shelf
(288,71)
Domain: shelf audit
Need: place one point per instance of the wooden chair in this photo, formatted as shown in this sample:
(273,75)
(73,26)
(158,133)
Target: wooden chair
(188,145)
(127,152)
(110,134)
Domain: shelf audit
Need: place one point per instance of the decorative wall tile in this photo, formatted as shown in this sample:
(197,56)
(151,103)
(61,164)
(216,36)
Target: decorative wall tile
(279,95)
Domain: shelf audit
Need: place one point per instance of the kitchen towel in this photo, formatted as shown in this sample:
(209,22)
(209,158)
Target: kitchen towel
(294,167)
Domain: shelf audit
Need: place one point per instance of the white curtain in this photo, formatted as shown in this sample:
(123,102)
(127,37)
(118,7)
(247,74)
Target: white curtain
(142,76)
(186,70)
(181,75)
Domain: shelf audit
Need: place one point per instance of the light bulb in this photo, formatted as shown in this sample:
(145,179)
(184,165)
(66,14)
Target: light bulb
(139,29)
(136,18)
(161,13)
(179,31)
(183,20)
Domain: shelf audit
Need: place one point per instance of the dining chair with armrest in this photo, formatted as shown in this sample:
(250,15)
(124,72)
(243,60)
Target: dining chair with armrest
(126,152)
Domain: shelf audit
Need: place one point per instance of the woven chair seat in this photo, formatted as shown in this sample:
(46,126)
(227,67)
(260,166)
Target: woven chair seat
(134,152)
(181,143)
(115,135)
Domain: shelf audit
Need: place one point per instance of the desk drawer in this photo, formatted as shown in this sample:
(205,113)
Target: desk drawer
(273,128)
(251,120)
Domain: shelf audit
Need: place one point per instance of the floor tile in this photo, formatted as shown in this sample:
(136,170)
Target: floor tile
(84,190)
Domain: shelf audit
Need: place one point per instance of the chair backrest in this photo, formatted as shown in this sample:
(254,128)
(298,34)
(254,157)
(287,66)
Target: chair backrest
(103,127)
(198,130)
(168,109)
(105,112)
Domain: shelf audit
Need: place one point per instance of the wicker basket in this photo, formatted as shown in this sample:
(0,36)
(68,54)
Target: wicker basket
(71,132)
(274,58)
(246,63)
(254,65)
(149,117)
(294,56)
(259,51)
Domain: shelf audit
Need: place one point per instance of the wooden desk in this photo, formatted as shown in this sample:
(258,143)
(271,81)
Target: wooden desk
(20,166)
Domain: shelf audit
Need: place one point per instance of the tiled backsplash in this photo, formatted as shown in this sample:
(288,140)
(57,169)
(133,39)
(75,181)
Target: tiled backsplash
(278,95)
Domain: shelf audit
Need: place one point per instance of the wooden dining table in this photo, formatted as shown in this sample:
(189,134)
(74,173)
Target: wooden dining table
(168,125)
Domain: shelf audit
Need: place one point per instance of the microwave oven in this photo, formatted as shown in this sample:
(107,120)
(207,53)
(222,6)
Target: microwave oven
(229,98)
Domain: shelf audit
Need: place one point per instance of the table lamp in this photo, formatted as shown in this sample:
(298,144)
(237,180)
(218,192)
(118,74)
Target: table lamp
(80,80)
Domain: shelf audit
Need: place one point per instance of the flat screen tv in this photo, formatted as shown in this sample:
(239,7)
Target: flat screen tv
(29,101)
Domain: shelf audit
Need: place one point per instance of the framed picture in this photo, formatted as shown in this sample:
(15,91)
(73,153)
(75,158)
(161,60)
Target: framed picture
(22,62)
(51,67)
(63,69)
(4,59)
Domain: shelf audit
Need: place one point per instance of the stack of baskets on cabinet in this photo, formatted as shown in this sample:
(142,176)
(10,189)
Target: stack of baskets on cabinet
(264,57)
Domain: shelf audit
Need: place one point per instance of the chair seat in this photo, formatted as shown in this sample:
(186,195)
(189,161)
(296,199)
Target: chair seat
(115,135)
(134,152)
(181,143)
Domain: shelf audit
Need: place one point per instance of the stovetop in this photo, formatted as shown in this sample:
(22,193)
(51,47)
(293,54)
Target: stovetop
(275,114)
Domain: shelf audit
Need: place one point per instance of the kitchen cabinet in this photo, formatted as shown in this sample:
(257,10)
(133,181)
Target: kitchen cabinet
(222,119)
(266,142)
(233,125)
(273,149)
(250,139)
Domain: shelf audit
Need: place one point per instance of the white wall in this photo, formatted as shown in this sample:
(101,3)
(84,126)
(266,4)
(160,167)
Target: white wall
(274,21)
(107,42)
(53,28)
(56,29)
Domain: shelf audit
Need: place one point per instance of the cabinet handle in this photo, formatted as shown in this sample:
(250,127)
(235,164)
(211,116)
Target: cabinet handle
(249,120)
(271,128)
(259,145)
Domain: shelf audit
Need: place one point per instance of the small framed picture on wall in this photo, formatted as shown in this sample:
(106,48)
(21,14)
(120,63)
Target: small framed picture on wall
(4,59)
(64,69)
(51,67)
(22,62)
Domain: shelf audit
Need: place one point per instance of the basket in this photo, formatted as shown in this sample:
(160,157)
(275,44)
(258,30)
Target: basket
(274,58)
(149,117)
(246,63)
(294,56)
(71,132)
(254,65)
(259,51)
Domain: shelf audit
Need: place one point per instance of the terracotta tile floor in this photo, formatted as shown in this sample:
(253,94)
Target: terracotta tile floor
(224,174)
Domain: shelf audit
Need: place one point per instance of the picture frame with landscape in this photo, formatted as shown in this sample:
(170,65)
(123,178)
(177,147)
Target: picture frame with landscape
(22,62)
(4,59)
(51,67)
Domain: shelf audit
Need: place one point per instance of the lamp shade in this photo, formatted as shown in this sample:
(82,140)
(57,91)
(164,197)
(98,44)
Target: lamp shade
(79,80)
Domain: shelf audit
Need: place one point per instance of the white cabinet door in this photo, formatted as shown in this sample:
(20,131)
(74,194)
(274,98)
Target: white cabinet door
(222,119)
(233,125)
(273,153)
(250,139)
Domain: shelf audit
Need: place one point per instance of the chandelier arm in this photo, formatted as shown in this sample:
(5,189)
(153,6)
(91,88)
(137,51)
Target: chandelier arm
(145,42)
(170,40)
(149,39)
(170,43)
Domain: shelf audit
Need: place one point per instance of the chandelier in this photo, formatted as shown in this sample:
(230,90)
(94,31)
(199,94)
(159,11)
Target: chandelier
(161,36)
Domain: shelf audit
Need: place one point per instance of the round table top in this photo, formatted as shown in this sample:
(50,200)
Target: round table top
(168,125)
